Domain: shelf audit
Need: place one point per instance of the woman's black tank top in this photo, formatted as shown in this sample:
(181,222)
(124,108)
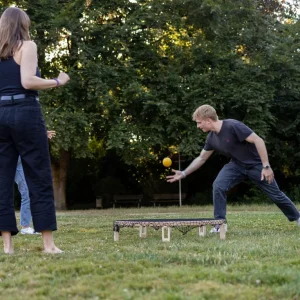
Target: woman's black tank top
(10,79)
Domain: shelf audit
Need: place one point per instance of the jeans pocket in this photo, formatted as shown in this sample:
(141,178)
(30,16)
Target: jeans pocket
(29,116)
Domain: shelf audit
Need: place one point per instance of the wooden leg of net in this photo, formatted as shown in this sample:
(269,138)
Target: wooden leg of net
(116,232)
(222,232)
(116,236)
(142,231)
(202,231)
(166,239)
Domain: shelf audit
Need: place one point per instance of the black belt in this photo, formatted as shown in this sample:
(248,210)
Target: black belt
(18,97)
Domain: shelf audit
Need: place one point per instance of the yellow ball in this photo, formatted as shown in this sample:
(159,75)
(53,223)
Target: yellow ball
(167,162)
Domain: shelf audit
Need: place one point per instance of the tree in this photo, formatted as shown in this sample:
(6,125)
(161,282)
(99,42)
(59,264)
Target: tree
(140,68)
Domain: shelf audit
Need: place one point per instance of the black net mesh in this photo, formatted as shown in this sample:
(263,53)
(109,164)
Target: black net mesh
(183,225)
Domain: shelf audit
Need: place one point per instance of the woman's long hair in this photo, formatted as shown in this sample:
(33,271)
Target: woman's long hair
(14,29)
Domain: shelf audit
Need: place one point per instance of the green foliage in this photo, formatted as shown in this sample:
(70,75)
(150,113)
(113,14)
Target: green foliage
(96,147)
(139,70)
(255,196)
(295,193)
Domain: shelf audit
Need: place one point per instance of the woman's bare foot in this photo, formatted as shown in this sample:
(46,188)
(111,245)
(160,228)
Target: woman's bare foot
(9,251)
(49,246)
(7,242)
(53,250)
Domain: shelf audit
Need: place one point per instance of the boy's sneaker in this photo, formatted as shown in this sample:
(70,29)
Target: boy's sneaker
(28,230)
(216,229)
(298,222)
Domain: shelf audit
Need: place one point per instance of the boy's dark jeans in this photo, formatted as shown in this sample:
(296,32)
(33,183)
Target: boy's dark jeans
(233,173)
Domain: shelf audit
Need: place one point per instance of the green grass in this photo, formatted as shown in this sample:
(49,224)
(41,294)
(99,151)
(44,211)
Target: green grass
(260,258)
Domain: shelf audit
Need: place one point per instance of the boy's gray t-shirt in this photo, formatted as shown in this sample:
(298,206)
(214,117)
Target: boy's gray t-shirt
(230,141)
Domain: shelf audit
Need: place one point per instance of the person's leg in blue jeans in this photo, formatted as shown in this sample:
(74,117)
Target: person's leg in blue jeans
(230,175)
(25,212)
(275,194)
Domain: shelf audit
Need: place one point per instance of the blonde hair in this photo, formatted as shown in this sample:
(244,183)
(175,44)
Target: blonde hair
(205,111)
(14,29)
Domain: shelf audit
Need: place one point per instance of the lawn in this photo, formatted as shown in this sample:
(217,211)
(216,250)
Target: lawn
(260,258)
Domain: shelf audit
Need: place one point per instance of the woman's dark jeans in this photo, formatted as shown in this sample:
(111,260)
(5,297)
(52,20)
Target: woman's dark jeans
(233,173)
(23,132)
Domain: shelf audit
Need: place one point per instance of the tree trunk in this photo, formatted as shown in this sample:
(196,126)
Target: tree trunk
(59,172)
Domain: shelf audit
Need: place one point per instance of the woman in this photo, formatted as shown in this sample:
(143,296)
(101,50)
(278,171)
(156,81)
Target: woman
(22,129)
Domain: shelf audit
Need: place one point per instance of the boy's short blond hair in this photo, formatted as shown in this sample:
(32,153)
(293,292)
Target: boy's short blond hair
(205,111)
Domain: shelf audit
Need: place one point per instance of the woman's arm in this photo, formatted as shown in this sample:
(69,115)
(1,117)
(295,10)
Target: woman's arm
(29,64)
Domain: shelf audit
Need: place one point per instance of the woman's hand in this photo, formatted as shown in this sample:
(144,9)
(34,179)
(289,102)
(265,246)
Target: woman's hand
(63,78)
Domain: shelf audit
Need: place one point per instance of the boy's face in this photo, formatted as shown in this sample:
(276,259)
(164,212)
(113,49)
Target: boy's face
(205,124)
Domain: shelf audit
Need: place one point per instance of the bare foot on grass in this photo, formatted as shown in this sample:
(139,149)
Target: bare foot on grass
(49,246)
(9,251)
(53,250)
